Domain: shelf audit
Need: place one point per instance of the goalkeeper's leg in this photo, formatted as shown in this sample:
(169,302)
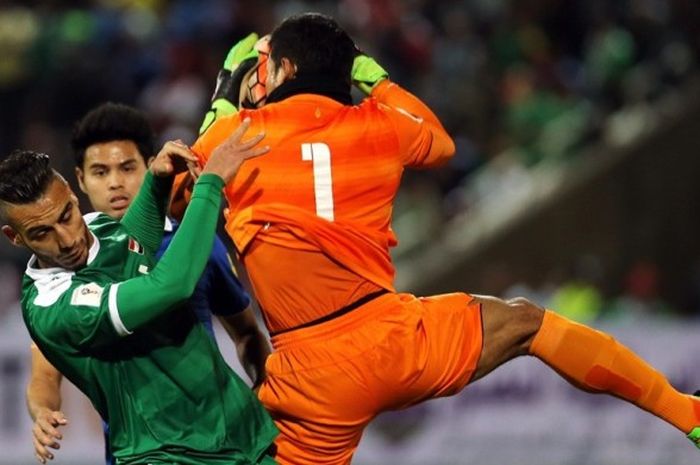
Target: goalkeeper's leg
(590,360)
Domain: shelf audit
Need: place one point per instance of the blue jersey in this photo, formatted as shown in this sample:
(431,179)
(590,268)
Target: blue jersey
(218,292)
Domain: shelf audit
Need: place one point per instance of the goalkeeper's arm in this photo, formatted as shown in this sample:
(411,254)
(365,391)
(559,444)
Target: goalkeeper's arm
(432,145)
(372,79)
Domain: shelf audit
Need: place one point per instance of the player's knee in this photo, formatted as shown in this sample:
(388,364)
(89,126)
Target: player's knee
(509,328)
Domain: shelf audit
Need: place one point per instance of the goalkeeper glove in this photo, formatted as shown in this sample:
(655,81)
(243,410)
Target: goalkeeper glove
(367,73)
(240,59)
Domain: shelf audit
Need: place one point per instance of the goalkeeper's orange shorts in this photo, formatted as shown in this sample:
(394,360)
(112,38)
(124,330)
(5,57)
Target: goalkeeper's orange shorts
(326,382)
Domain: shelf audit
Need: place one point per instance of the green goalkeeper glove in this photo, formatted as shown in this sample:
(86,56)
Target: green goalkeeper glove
(240,59)
(367,73)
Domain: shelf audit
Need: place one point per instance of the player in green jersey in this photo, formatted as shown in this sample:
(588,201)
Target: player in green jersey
(113,145)
(118,326)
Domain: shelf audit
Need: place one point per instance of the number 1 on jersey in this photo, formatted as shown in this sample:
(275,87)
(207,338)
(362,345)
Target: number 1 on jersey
(320,154)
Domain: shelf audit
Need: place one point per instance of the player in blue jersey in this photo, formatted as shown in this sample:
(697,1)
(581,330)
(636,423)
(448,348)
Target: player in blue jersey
(113,145)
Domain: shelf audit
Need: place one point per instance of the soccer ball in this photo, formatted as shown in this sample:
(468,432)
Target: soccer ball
(254,82)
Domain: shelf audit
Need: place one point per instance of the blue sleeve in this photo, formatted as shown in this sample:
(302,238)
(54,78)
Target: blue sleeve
(226,293)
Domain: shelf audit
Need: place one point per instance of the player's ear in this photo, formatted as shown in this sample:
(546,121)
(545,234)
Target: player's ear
(288,68)
(80,176)
(12,235)
(149,161)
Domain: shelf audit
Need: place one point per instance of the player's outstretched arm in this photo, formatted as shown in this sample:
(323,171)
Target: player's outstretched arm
(144,218)
(251,345)
(228,300)
(44,403)
(141,299)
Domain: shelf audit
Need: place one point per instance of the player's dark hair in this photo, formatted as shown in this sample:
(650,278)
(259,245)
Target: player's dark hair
(24,177)
(111,122)
(316,44)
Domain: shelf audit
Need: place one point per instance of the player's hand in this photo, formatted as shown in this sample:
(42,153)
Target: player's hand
(367,73)
(46,434)
(175,157)
(226,98)
(228,156)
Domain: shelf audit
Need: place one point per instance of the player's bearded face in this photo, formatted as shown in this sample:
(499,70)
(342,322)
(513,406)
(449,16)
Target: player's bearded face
(52,228)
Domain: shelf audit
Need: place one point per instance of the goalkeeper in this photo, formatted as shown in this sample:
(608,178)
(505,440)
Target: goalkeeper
(311,223)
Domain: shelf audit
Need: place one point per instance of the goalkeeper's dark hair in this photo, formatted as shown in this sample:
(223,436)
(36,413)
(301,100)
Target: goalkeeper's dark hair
(316,44)
(24,177)
(111,122)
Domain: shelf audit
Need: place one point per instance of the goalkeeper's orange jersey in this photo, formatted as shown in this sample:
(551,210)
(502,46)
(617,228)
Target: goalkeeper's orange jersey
(311,219)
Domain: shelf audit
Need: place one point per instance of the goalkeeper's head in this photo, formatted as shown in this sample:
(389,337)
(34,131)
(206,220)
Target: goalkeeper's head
(310,45)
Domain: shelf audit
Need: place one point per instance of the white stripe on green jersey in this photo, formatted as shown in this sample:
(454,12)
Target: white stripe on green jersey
(163,386)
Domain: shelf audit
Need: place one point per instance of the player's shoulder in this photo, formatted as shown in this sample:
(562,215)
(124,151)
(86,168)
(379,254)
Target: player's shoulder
(51,310)
(53,306)
(94,217)
(48,287)
(370,103)
(45,288)
(373,105)
(394,118)
(371,109)
(219,130)
(216,130)
(257,116)
(101,224)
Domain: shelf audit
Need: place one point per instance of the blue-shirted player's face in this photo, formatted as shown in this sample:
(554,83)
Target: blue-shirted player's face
(51,227)
(111,176)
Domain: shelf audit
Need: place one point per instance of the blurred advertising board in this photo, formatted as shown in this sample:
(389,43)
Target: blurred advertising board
(522,414)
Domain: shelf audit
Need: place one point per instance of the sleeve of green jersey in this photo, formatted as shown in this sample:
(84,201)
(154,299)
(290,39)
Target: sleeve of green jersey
(80,319)
(89,315)
(146,215)
(138,300)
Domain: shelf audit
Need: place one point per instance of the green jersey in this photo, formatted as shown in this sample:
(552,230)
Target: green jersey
(121,330)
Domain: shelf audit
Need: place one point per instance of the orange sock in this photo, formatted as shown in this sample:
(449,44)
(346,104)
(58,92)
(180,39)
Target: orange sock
(596,362)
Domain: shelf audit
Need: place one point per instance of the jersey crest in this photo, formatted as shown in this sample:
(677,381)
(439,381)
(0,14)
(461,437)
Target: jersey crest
(135,247)
(87,294)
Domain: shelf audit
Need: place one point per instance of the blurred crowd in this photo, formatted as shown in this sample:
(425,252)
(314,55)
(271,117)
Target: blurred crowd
(581,293)
(529,81)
